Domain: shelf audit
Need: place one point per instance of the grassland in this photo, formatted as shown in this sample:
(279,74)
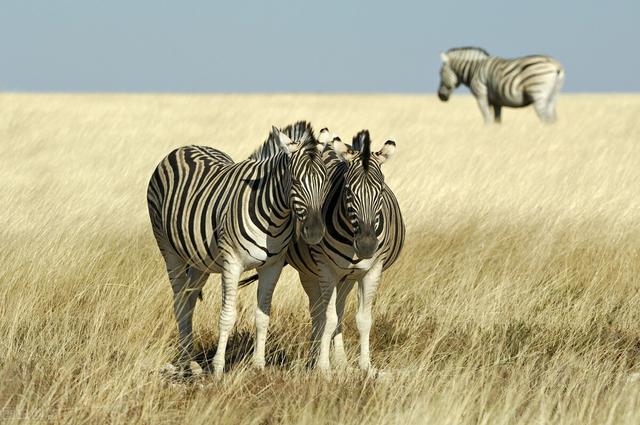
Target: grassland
(516,299)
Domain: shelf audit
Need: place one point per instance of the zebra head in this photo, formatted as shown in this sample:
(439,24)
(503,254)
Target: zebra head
(448,79)
(363,186)
(307,181)
(458,66)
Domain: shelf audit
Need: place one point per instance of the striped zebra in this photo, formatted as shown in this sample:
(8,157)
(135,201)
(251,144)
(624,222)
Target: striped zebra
(211,215)
(496,82)
(364,236)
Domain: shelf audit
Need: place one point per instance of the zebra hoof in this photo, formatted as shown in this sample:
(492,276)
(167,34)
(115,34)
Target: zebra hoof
(218,370)
(169,370)
(191,370)
(259,364)
(195,369)
(377,374)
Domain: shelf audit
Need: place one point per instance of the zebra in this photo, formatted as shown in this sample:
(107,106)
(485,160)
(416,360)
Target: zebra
(364,236)
(211,215)
(496,82)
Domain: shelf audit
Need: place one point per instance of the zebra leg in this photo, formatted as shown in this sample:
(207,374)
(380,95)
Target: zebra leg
(497,113)
(184,302)
(551,106)
(483,104)
(330,319)
(231,271)
(366,291)
(344,288)
(540,106)
(312,289)
(268,277)
(552,97)
(193,290)
(479,90)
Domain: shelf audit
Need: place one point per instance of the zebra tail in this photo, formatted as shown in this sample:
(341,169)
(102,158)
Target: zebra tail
(559,78)
(248,281)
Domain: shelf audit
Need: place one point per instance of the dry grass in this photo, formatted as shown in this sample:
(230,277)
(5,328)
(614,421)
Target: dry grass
(515,301)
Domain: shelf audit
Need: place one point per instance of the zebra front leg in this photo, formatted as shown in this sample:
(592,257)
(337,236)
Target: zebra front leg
(267,279)
(231,271)
(329,319)
(483,104)
(497,113)
(312,288)
(344,288)
(366,291)
(479,90)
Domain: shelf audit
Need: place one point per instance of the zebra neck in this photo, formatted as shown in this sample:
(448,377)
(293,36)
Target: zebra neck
(278,183)
(465,69)
(343,213)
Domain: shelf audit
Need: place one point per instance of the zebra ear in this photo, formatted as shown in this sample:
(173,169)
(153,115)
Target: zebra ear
(342,150)
(387,152)
(324,139)
(286,144)
(325,136)
(444,57)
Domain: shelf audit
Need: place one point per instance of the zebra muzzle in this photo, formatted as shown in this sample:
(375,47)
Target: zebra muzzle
(443,96)
(312,228)
(365,243)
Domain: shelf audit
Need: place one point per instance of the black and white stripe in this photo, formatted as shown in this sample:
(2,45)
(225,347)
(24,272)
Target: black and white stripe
(496,82)
(211,215)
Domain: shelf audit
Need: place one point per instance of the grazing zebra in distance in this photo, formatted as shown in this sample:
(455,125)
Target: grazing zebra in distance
(211,215)
(496,82)
(364,236)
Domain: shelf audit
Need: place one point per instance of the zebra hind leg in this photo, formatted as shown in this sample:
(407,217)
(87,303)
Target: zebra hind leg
(551,106)
(542,110)
(497,113)
(186,283)
(553,95)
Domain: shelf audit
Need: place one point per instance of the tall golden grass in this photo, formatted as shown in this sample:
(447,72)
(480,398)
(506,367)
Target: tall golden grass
(516,299)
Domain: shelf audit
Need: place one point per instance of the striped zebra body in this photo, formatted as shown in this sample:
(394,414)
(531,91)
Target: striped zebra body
(211,215)
(496,82)
(198,204)
(364,236)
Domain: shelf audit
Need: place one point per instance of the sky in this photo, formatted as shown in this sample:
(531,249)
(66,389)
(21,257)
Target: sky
(296,46)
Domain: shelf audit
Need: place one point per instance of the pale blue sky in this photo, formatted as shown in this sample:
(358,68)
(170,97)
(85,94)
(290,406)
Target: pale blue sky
(294,46)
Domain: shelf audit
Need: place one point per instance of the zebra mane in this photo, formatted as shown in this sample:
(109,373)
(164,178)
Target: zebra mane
(362,143)
(468,49)
(300,132)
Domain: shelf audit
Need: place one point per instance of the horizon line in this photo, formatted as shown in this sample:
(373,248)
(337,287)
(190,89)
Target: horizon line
(276,92)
